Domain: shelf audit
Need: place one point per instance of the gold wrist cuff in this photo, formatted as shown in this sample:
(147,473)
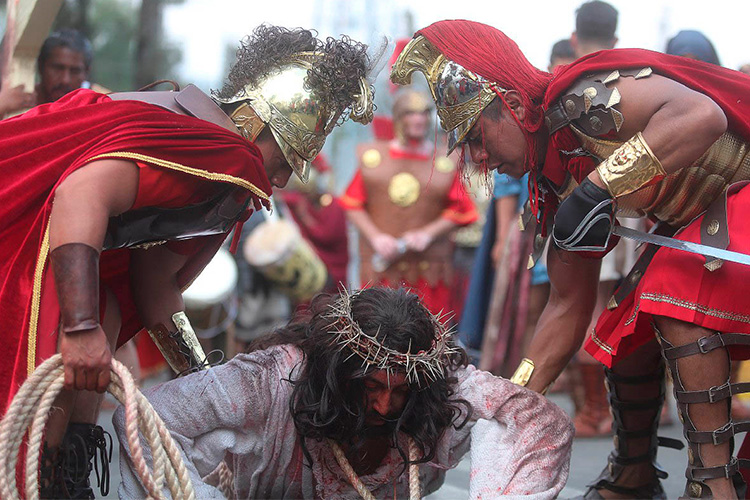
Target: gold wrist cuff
(632,166)
(182,350)
(523,372)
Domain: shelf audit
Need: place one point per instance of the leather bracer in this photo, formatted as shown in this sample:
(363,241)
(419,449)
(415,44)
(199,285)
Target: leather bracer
(76,270)
(179,345)
(632,166)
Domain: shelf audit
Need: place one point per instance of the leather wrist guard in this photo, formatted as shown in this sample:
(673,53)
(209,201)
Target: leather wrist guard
(632,166)
(179,345)
(584,219)
(76,270)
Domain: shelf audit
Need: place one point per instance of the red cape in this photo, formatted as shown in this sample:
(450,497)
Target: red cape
(41,147)
(728,88)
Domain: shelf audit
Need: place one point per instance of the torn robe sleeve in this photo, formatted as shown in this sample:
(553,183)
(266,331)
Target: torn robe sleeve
(520,441)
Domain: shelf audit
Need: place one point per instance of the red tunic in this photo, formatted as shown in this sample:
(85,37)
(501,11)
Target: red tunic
(182,160)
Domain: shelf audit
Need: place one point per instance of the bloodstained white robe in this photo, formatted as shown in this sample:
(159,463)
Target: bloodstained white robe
(520,442)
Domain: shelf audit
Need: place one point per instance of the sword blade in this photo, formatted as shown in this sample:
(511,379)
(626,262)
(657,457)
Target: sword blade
(685,246)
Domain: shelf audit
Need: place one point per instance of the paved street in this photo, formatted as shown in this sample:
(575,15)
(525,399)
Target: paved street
(589,457)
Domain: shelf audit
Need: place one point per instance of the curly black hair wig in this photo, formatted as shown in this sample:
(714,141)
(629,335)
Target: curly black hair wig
(334,78)
(329,398)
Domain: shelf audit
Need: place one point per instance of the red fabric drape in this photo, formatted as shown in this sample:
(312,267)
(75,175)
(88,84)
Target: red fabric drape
(41,147)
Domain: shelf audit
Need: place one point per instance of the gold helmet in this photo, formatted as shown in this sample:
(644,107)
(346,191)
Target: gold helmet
(299,116)
(459,94)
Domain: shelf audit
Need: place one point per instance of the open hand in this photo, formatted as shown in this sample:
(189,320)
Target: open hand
(15,98)
(86,358)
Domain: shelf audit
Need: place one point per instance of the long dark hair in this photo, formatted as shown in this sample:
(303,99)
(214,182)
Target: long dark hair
(329,399)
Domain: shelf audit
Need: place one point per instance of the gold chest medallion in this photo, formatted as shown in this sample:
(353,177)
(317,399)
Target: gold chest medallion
(404,189)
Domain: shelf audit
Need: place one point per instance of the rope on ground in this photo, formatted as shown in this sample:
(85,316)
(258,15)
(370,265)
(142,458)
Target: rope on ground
(30,410)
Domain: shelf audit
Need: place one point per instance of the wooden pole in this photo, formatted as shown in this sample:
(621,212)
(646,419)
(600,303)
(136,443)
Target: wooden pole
(28,25)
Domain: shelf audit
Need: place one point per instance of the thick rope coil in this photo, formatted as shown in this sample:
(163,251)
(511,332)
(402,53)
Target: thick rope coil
(30,410)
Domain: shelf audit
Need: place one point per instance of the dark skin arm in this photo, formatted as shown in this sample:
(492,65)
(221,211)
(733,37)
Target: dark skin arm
(153,279)
(84,201)
(679,125)
(563,323)
(83,204)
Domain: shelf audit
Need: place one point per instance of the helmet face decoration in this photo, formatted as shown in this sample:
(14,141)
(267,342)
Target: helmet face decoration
(459,94)
(299,115)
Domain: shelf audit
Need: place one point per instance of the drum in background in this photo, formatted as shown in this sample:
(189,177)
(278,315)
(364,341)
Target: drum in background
(279,252)
(211,300)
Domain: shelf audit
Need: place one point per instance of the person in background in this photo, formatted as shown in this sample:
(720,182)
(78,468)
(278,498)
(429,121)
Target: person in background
(562,54)
(405,201)
(694,45)
(596,25)
(63,64)
(321,220)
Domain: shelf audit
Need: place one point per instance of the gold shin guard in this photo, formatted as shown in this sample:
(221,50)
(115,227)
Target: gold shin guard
(180,348)
(632,166)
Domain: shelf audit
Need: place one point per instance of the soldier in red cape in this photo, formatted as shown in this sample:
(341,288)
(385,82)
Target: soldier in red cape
(405,209)
(626,132)
(113,204)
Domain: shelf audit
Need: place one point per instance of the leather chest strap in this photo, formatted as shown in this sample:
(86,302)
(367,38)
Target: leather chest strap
(715,225)
(190,101)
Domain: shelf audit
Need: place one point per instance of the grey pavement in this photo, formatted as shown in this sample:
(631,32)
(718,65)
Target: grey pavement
(589,457)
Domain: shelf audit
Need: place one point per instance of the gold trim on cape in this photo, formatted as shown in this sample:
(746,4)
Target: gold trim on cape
(36,298)
(603,345)
(213,176)
(708,311)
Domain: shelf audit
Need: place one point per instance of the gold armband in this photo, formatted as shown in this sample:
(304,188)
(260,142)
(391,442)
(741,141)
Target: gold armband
(632,166)
(523,372)
(181,349)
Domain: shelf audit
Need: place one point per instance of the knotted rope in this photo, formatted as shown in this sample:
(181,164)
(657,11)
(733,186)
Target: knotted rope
(30,410)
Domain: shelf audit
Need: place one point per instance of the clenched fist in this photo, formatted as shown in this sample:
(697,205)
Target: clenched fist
(86,358)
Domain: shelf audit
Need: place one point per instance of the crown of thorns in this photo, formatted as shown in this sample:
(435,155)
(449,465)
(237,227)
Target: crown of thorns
(428,364)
